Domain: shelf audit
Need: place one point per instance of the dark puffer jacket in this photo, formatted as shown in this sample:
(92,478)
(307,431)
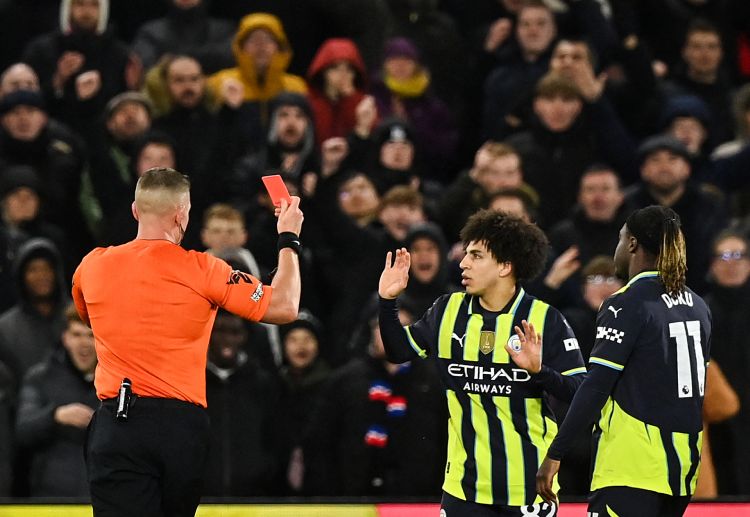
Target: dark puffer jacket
(57,465)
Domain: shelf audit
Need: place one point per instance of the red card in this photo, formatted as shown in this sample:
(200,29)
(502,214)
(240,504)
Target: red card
(276,189)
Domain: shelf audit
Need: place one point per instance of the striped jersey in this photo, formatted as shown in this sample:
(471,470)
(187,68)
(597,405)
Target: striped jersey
(650,430)
(500,424)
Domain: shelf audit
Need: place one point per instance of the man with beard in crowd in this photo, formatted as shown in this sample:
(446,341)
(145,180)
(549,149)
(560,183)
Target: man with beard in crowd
(289,150)
(665,180)
(81,65)
(111,180)
(597,217)
(204,131)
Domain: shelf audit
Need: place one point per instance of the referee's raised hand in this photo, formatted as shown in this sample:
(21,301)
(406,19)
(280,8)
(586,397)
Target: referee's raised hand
(290,216)
(395,274)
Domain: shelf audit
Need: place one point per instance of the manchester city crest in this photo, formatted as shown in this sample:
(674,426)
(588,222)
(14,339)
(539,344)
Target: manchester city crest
(514,343)
(486,341)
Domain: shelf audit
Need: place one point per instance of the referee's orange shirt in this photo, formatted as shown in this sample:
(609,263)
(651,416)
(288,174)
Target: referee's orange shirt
(152,305)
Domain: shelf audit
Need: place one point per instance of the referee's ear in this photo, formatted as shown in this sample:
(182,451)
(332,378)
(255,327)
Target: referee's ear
(134,210)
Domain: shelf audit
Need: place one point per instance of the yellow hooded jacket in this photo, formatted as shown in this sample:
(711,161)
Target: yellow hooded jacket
(276,80)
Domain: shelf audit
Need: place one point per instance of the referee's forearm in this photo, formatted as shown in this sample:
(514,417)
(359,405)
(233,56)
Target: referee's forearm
(287,288)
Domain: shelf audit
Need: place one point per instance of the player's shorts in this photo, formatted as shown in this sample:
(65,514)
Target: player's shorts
(454,507)
(622,501)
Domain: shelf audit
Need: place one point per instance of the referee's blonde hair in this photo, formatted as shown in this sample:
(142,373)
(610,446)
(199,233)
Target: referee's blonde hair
(161,190)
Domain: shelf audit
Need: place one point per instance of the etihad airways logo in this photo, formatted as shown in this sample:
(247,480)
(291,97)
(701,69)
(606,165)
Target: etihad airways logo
(487,373)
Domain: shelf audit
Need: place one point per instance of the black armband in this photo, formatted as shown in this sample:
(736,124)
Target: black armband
(289,240)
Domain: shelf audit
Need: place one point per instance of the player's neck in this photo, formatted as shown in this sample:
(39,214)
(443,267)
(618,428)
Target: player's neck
(639,265)
(497,297)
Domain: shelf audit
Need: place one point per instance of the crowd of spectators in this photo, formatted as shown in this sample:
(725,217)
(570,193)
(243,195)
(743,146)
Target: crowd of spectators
(394,121)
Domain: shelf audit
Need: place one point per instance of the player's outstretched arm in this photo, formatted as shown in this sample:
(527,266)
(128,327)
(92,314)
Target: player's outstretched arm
(393,281)
(395,341)
(582,414)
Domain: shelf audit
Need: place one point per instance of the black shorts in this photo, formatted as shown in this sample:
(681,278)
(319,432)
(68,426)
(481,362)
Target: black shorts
(454,507)
(622,501)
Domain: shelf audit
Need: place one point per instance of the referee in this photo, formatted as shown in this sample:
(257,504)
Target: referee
(151,305)
(646,380)
(500,352)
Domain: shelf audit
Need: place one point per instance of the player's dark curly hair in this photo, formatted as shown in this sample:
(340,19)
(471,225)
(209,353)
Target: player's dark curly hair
(509,239)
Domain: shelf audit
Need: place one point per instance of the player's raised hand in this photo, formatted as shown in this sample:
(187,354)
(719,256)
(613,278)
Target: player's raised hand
(544,477)
(526,352)
(395,275)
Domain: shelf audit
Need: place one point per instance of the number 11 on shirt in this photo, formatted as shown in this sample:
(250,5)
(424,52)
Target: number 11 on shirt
(682,331)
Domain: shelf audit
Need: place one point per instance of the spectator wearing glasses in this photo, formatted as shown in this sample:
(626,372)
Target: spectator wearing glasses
(598,282)
(728,299)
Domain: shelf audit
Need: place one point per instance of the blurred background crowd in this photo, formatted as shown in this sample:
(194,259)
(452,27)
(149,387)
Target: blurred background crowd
(394,120)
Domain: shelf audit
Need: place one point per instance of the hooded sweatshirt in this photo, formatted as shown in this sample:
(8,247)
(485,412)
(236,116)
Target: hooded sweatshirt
(419,296)
(101,25)
(58,468)
(27,337)
(102,52)
(335,117)
(276,78)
